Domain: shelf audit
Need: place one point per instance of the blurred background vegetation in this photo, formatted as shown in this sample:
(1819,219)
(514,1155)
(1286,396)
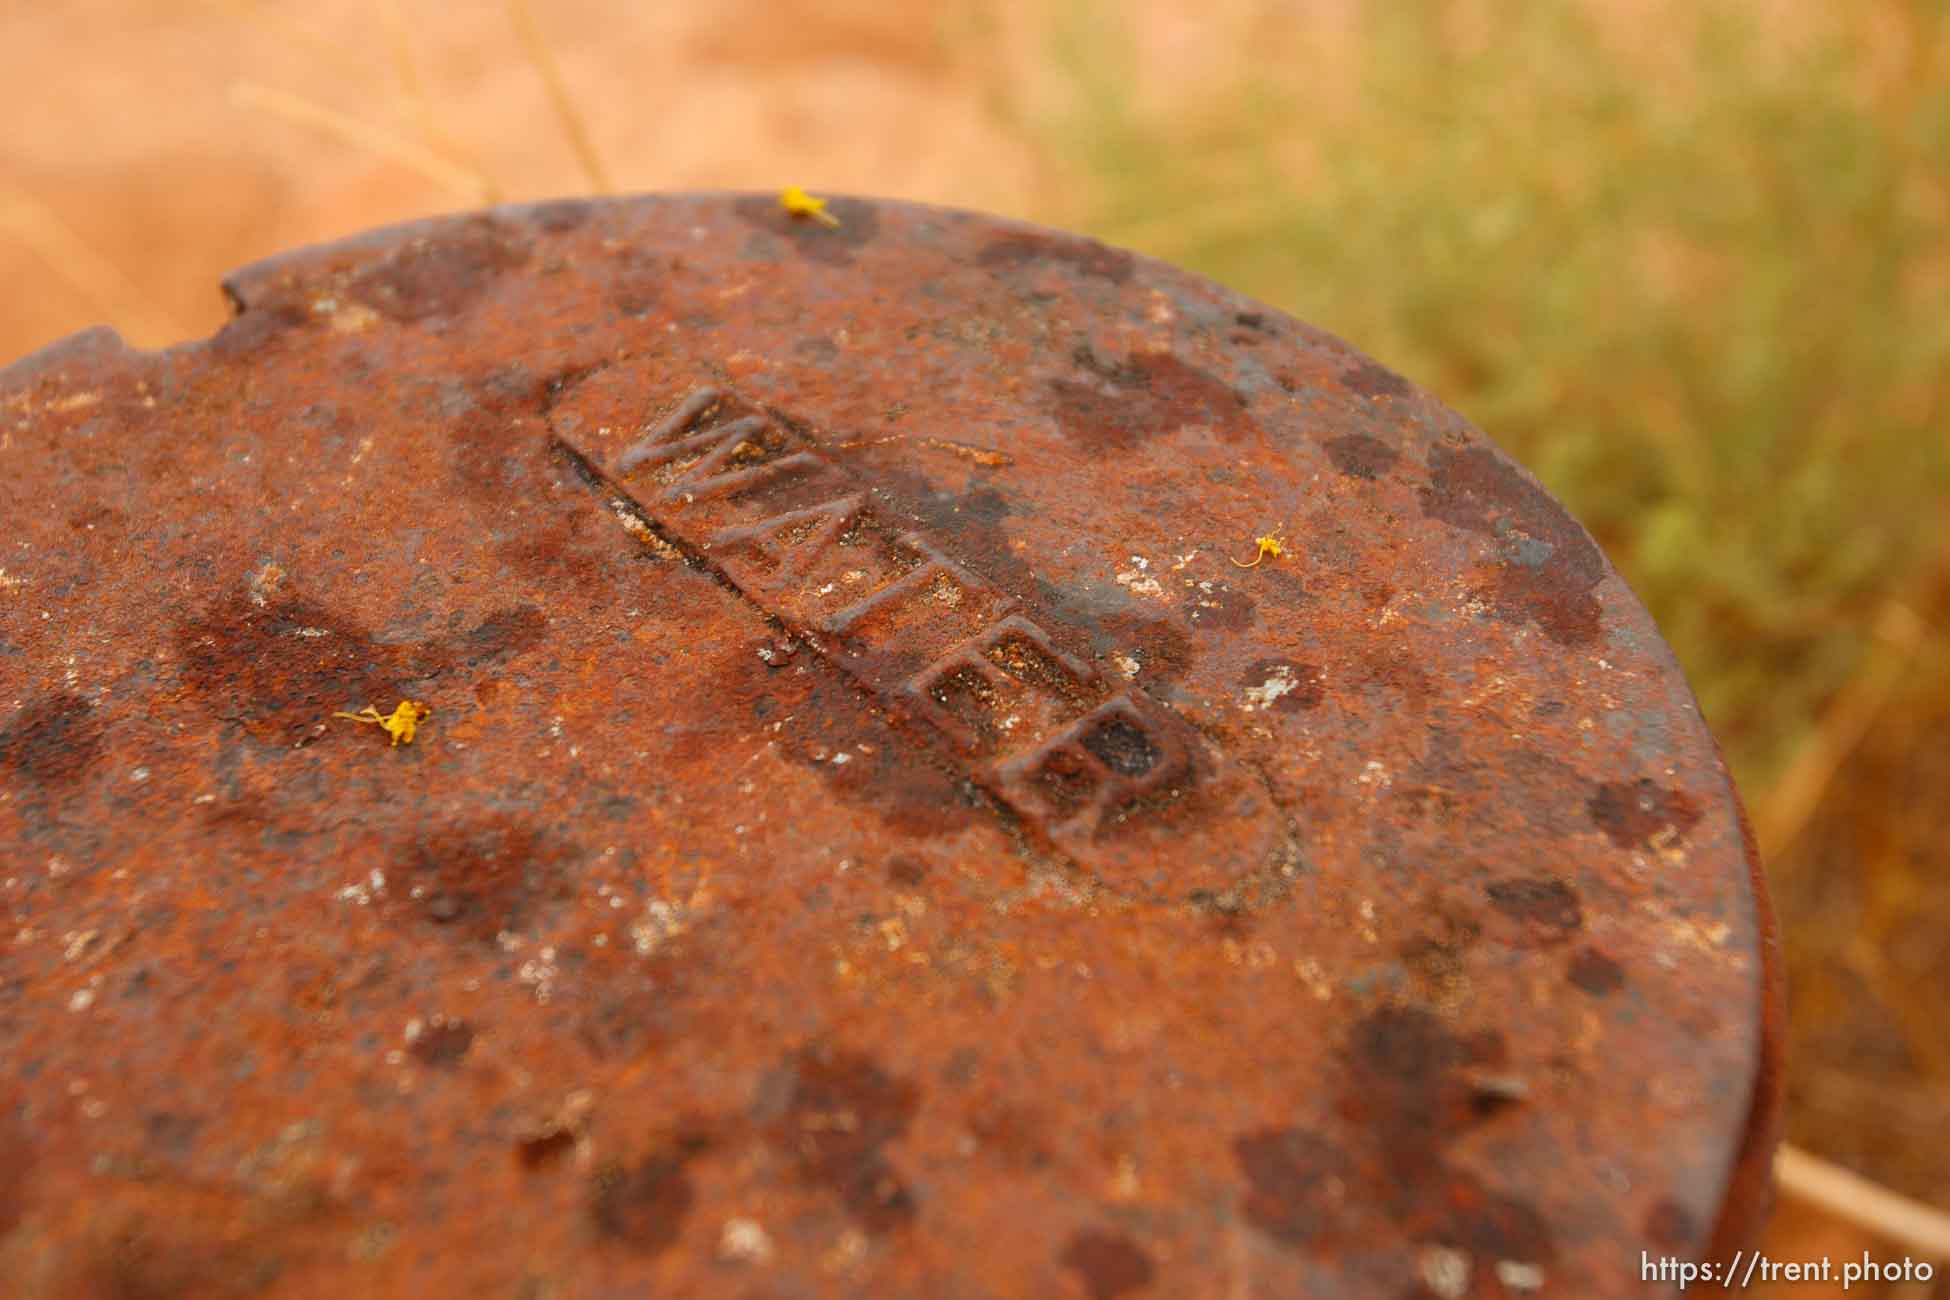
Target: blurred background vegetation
(1689,262)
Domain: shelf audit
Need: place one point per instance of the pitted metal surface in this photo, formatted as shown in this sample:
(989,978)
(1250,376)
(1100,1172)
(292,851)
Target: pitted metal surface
(871,836)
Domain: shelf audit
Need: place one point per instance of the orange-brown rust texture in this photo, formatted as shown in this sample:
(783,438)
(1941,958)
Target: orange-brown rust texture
(871,838)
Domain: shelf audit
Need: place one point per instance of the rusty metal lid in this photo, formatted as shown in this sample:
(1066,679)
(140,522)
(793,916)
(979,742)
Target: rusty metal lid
(872,836)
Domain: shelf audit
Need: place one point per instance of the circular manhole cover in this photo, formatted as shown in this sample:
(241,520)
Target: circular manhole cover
(874,834)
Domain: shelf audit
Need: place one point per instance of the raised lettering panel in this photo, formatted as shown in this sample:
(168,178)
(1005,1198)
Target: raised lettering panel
(1114,780)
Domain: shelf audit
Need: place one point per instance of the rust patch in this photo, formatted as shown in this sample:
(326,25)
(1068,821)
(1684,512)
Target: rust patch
(1370,379)
(1293,1175)
(1159,646)
(1014,1134)
(1223,609)
(1403,1076)
(1027,249)
(16,1166)
(643,1207)
(832,1113)
(835,245)
(1109,1264)
(282,668)
(1633,814)
(258,326)
(140,1260)
(1596,974)
(442,1043)
(1548,565)
(1547,910)
(1404,1089)
(481,876)
(540,1149)
(904,870)
(871,766)
(1356,455)
(440,275)
(1396,672)
(1123,404)
(53,740)
(1671,1225)
(558,217)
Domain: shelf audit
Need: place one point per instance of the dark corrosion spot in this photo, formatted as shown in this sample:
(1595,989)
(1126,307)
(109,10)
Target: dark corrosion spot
(1492,1094)
(1015,1135)
(1408,1087)
(1549,565)
(831,1114)
(544,1147)
(282,668)
(643,1207)
(1404,1045)
(443,1042)
(440,274)
(1122,746)
(1397,673)
(642,1004)
(501,635)
(484,875)
(1372,380)
(968,525)
(630,1023)
(881,772)
(52,740)
(903,870)
(1223,608)
(1292,1174)
(1159,646)
(1633,814)
(561,216)
(16,1163)
(1437,967)
(1548,909)
(1404,1082)
(1027,249)
(1458,1210)
(169,1133)
(1359,456)
(858,224)
(492,459)
(1109,1263)
(1122,404)
(1671,1225)
(635,279)
(1283,686)
(1596,973)
(91,517)
(140,1261)
(255,327)
(561,552)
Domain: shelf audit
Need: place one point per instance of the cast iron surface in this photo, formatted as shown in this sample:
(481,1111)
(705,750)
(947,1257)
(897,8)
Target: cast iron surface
(871,838)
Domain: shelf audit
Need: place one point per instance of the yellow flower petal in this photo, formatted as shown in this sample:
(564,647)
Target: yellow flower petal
(400,724)
(801,204)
